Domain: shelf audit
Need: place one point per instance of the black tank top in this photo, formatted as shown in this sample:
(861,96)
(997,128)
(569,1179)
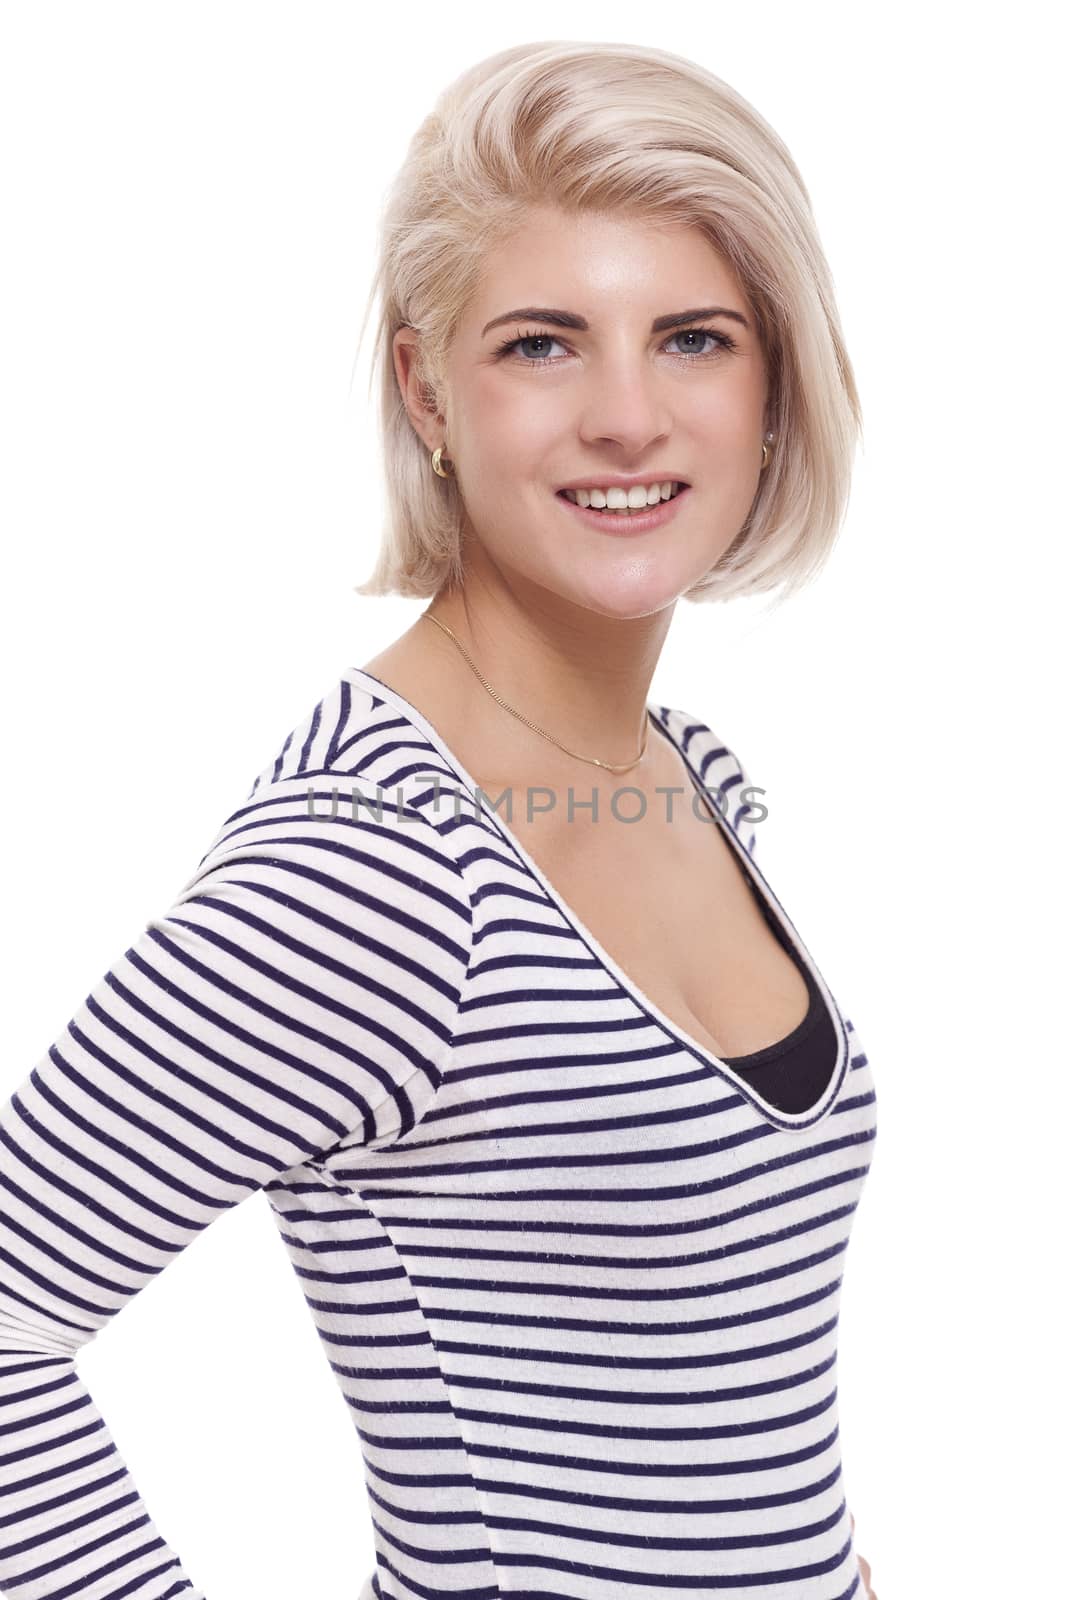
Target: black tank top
(793,1072)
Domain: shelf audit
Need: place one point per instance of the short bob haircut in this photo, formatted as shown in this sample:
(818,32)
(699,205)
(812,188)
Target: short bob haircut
(628,129)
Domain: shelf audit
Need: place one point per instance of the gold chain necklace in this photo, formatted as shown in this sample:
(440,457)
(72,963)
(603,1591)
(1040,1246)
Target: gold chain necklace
(609,765)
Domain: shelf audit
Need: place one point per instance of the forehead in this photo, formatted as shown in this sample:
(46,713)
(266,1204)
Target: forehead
(602,264)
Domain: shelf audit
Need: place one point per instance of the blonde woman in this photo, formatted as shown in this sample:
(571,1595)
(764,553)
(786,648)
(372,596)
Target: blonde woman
(482,982)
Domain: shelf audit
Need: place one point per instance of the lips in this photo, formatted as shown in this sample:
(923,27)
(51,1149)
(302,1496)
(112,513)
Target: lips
(624,525)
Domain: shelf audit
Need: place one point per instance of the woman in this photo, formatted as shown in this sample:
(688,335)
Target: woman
(563,1127)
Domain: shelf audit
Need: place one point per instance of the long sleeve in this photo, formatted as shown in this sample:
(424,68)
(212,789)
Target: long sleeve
(301,990)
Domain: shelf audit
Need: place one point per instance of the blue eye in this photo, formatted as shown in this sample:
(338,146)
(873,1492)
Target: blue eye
(723,343)
(528,338)
(702,333)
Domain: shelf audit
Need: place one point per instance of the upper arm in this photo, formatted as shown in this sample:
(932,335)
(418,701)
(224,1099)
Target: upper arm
(301,989)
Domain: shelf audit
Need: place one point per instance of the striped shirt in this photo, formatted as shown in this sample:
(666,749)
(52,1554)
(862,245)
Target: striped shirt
(578,1281)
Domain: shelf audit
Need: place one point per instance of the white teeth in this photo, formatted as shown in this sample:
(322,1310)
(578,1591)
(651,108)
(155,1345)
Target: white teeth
(635,499)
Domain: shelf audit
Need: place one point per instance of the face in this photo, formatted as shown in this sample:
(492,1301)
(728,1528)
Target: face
(533,405)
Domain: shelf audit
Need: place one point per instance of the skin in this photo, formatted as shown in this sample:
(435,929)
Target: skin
(865,1568)
(565,623)
(568,624)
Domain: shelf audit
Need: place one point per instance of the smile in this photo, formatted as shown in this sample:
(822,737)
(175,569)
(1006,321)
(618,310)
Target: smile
(626,521)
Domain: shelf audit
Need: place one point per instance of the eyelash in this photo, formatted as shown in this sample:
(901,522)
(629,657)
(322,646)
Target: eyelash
(726,344)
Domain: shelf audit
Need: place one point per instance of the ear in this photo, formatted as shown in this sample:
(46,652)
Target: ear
(419,399)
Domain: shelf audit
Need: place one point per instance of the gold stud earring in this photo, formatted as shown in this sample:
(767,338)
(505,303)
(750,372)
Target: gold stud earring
(435,462)
(766,452)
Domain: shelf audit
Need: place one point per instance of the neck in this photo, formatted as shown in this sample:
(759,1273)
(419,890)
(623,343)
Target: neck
(584,678)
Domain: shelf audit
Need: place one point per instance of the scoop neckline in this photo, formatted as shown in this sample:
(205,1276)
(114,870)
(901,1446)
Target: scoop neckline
(754,1059)
(785,1121)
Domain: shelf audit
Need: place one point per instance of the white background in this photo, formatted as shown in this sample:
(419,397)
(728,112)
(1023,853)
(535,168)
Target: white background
(190,489)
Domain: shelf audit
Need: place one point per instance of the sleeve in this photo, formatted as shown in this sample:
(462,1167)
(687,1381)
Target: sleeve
(302,990)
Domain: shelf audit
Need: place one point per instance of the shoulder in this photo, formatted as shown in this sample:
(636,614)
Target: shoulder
(349,731)
(350,791)
(716,763)
(353,741)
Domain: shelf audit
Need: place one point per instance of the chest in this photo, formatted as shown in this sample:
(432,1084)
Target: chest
(667,898)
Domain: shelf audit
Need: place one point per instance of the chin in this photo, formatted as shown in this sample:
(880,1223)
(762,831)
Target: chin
(616,582)
(630,595)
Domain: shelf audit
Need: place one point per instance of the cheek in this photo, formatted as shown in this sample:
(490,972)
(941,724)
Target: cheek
(506,437)
(504,406)
(726,418)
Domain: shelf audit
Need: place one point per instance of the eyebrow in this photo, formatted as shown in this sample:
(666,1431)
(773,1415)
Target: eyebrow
(570,319)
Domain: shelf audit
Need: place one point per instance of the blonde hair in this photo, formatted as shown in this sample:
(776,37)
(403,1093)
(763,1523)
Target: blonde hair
(626,129)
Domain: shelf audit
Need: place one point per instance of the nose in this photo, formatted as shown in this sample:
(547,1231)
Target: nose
(624,403)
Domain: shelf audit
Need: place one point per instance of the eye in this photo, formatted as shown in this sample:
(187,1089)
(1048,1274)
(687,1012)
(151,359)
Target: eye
(527,338)
(722,343)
